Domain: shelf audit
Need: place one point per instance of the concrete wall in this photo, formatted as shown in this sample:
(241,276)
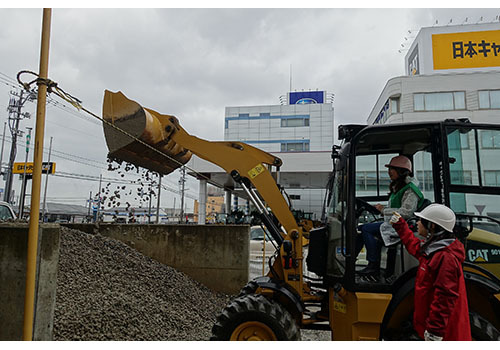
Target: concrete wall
(215,255)
(13,250)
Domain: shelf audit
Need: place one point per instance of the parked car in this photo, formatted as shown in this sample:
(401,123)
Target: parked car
(6,212)
(257,243)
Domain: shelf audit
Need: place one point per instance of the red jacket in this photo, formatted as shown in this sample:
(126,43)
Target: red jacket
(440,295)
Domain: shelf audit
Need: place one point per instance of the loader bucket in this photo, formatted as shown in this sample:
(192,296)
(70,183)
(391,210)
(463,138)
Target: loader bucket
(148,126)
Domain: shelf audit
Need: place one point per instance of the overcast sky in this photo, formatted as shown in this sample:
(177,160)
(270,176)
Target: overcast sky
(193,63)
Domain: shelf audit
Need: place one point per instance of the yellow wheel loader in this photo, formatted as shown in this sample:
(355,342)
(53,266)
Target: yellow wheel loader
(456,163)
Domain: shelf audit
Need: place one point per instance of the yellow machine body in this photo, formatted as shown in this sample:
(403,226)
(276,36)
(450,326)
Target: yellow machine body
(357,316)
(351,315)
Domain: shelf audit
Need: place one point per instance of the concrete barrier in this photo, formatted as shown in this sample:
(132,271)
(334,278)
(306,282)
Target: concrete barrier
(13,250)
(215,255)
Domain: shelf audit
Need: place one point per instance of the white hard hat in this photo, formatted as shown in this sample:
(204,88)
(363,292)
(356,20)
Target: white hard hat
(440,215)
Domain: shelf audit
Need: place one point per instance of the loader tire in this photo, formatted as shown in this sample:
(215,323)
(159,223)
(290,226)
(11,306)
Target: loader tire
(249,288)
(482,329)
(254,317)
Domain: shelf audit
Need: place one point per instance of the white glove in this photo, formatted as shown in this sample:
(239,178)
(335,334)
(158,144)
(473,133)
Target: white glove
(431,337)
(394,218)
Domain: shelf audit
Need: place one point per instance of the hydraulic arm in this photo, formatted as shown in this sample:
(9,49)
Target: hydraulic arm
(247,165)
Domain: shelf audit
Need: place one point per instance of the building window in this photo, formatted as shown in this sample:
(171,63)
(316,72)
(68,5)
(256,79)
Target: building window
(418,102)
(391,106)
(489,99)
(492,177)
(490,139)
(464,142)
(461,177)
(243,115)
(295,147)
(394,105)
(264,114)
(294,196)
(383,114)
(439,101)
(294,122)
(367,180)
(424,178)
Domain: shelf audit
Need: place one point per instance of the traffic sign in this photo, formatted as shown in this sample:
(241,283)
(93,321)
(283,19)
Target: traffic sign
(18,168)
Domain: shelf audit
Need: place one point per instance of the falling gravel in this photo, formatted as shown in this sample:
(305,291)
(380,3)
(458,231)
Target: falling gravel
(109,291)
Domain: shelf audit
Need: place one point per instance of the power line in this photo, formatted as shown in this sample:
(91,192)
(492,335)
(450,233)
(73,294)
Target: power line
(75,130)
(67,156)
(96,178)
(14,84)
(50,101)
(11,81)
(71,111)
(116,181)
(76,103)
(4,76)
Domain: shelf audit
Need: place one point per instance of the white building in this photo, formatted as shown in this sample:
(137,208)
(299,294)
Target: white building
(452,72)
(293,131)
(304,124)
(299,131)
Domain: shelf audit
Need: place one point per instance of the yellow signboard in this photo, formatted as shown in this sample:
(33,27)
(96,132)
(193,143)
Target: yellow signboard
(466,50)
(340,307)
(18,168)
(259,168)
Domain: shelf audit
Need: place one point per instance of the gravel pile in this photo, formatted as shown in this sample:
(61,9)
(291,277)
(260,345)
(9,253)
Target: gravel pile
(109,291)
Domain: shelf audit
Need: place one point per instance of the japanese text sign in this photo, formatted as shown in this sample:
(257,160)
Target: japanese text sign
(18,168)
(466,50)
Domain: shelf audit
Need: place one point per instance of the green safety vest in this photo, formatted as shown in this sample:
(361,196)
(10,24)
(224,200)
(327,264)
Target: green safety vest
(395,198)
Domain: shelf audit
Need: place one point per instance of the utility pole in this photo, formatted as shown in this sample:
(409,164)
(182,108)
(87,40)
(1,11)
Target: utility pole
(3,142)
(90,204)
(173,213)
(99,198)
(46,181)
(158,202)
(23,185)
(149,211)
(182,182)
(15,116)
(29,291)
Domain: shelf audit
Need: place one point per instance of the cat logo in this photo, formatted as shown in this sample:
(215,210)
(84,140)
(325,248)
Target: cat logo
(478,255)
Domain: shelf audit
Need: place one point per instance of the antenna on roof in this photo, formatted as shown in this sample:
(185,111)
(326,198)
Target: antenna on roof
(290,77)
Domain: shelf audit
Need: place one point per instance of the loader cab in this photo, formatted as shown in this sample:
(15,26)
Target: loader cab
(453,163)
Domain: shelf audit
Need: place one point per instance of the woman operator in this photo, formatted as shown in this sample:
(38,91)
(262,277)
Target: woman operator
(405,198)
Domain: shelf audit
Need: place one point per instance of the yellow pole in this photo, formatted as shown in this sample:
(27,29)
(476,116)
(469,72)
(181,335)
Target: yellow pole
(264,255)
(29,297)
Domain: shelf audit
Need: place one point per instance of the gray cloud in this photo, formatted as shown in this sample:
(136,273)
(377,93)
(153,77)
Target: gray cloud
(194,62)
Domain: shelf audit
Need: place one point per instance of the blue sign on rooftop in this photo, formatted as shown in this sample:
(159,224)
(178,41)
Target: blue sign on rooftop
(306,97)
